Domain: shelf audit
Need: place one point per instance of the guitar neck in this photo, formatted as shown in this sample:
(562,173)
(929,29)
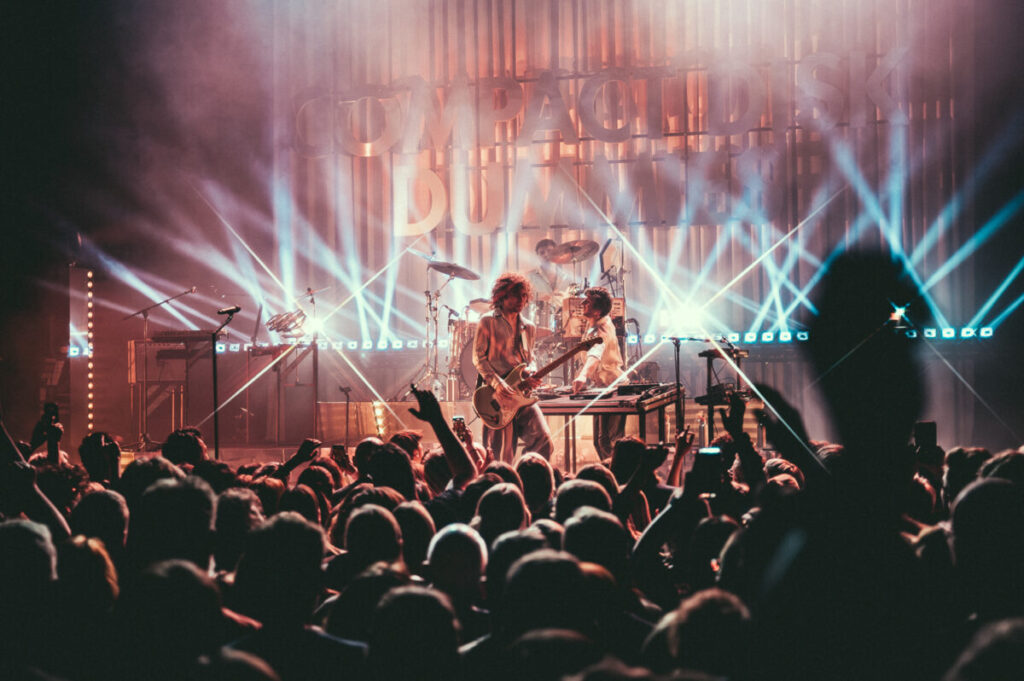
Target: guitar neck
(562,359)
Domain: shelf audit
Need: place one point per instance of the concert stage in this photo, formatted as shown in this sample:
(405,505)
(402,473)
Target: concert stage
(338,186)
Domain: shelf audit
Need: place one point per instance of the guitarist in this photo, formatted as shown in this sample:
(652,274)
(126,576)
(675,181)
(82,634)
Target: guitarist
(602,367)
(504,339)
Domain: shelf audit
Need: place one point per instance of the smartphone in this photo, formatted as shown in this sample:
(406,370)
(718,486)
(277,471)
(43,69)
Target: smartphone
(458,421)
(925,435)
(51,412)
(707,468)
(710,452)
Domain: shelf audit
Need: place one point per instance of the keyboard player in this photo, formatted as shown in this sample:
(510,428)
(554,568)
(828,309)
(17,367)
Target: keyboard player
(602,366)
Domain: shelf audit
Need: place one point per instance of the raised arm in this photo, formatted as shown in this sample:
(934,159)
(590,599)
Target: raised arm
(463,470)
(20,492)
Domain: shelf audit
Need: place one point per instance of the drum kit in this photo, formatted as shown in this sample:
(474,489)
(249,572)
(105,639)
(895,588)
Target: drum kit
(558,315)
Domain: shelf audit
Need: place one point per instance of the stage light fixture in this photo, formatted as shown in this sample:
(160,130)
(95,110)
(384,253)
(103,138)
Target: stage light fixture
(338,345)
(649,338)
(911,333)
(235,347)
(382,345)
(802,335)
(352,345)
(930,333)
(968,332)
(367,345)
(413,344)
(632,339)
(220,348)
(733,338)
(397,344)
(986,332)
(750,337)
(767,337)
(443,343)
(948,332)
(785,336)
(74,351)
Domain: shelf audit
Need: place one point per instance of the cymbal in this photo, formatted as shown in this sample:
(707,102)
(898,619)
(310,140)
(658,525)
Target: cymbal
(480,305)
(574,251)
(453,270)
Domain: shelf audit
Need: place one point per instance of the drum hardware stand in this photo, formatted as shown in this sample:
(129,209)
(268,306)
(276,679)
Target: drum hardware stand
(428,373)
(144,396)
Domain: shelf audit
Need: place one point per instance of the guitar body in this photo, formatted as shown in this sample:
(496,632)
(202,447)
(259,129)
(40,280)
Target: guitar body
(496,411)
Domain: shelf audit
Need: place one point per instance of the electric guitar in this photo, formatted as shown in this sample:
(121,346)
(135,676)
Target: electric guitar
(497,411)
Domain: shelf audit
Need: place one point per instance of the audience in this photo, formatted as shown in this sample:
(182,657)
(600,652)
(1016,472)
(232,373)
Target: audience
(863,558)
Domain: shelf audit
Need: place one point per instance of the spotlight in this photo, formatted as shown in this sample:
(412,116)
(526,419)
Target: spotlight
(632,339)
(413,344)
(649,338)
(220,348)
(948,332)
(785,336)
(352,345)
(733,338)
(767,337)
(382,345)
(986,332)
(367,345)
(339,345)
(74,351)
(397,345)
(930,333)
(968,332)
(802,335)
(911,333)
(235,347)
(750,337)
(88,274)
(443,343)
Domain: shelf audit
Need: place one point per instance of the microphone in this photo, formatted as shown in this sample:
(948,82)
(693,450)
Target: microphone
(193,289)
(451,312)
(230,310)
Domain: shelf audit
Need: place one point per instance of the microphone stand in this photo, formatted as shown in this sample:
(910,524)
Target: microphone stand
(679,398)
(144,396)
(216,402)
(348,400)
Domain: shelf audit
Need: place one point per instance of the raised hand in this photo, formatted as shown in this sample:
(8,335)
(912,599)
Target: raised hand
(732,421)
(782,438)
(429,408)
(307,450)
(684,441)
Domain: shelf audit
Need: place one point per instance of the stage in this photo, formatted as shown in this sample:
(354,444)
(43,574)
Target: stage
(337,187)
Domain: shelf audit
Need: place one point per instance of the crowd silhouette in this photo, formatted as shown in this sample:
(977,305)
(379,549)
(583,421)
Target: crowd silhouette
(422,558)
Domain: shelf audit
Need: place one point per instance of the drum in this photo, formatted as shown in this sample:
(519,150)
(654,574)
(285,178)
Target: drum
(461,333)
(545,315)
(466,370)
